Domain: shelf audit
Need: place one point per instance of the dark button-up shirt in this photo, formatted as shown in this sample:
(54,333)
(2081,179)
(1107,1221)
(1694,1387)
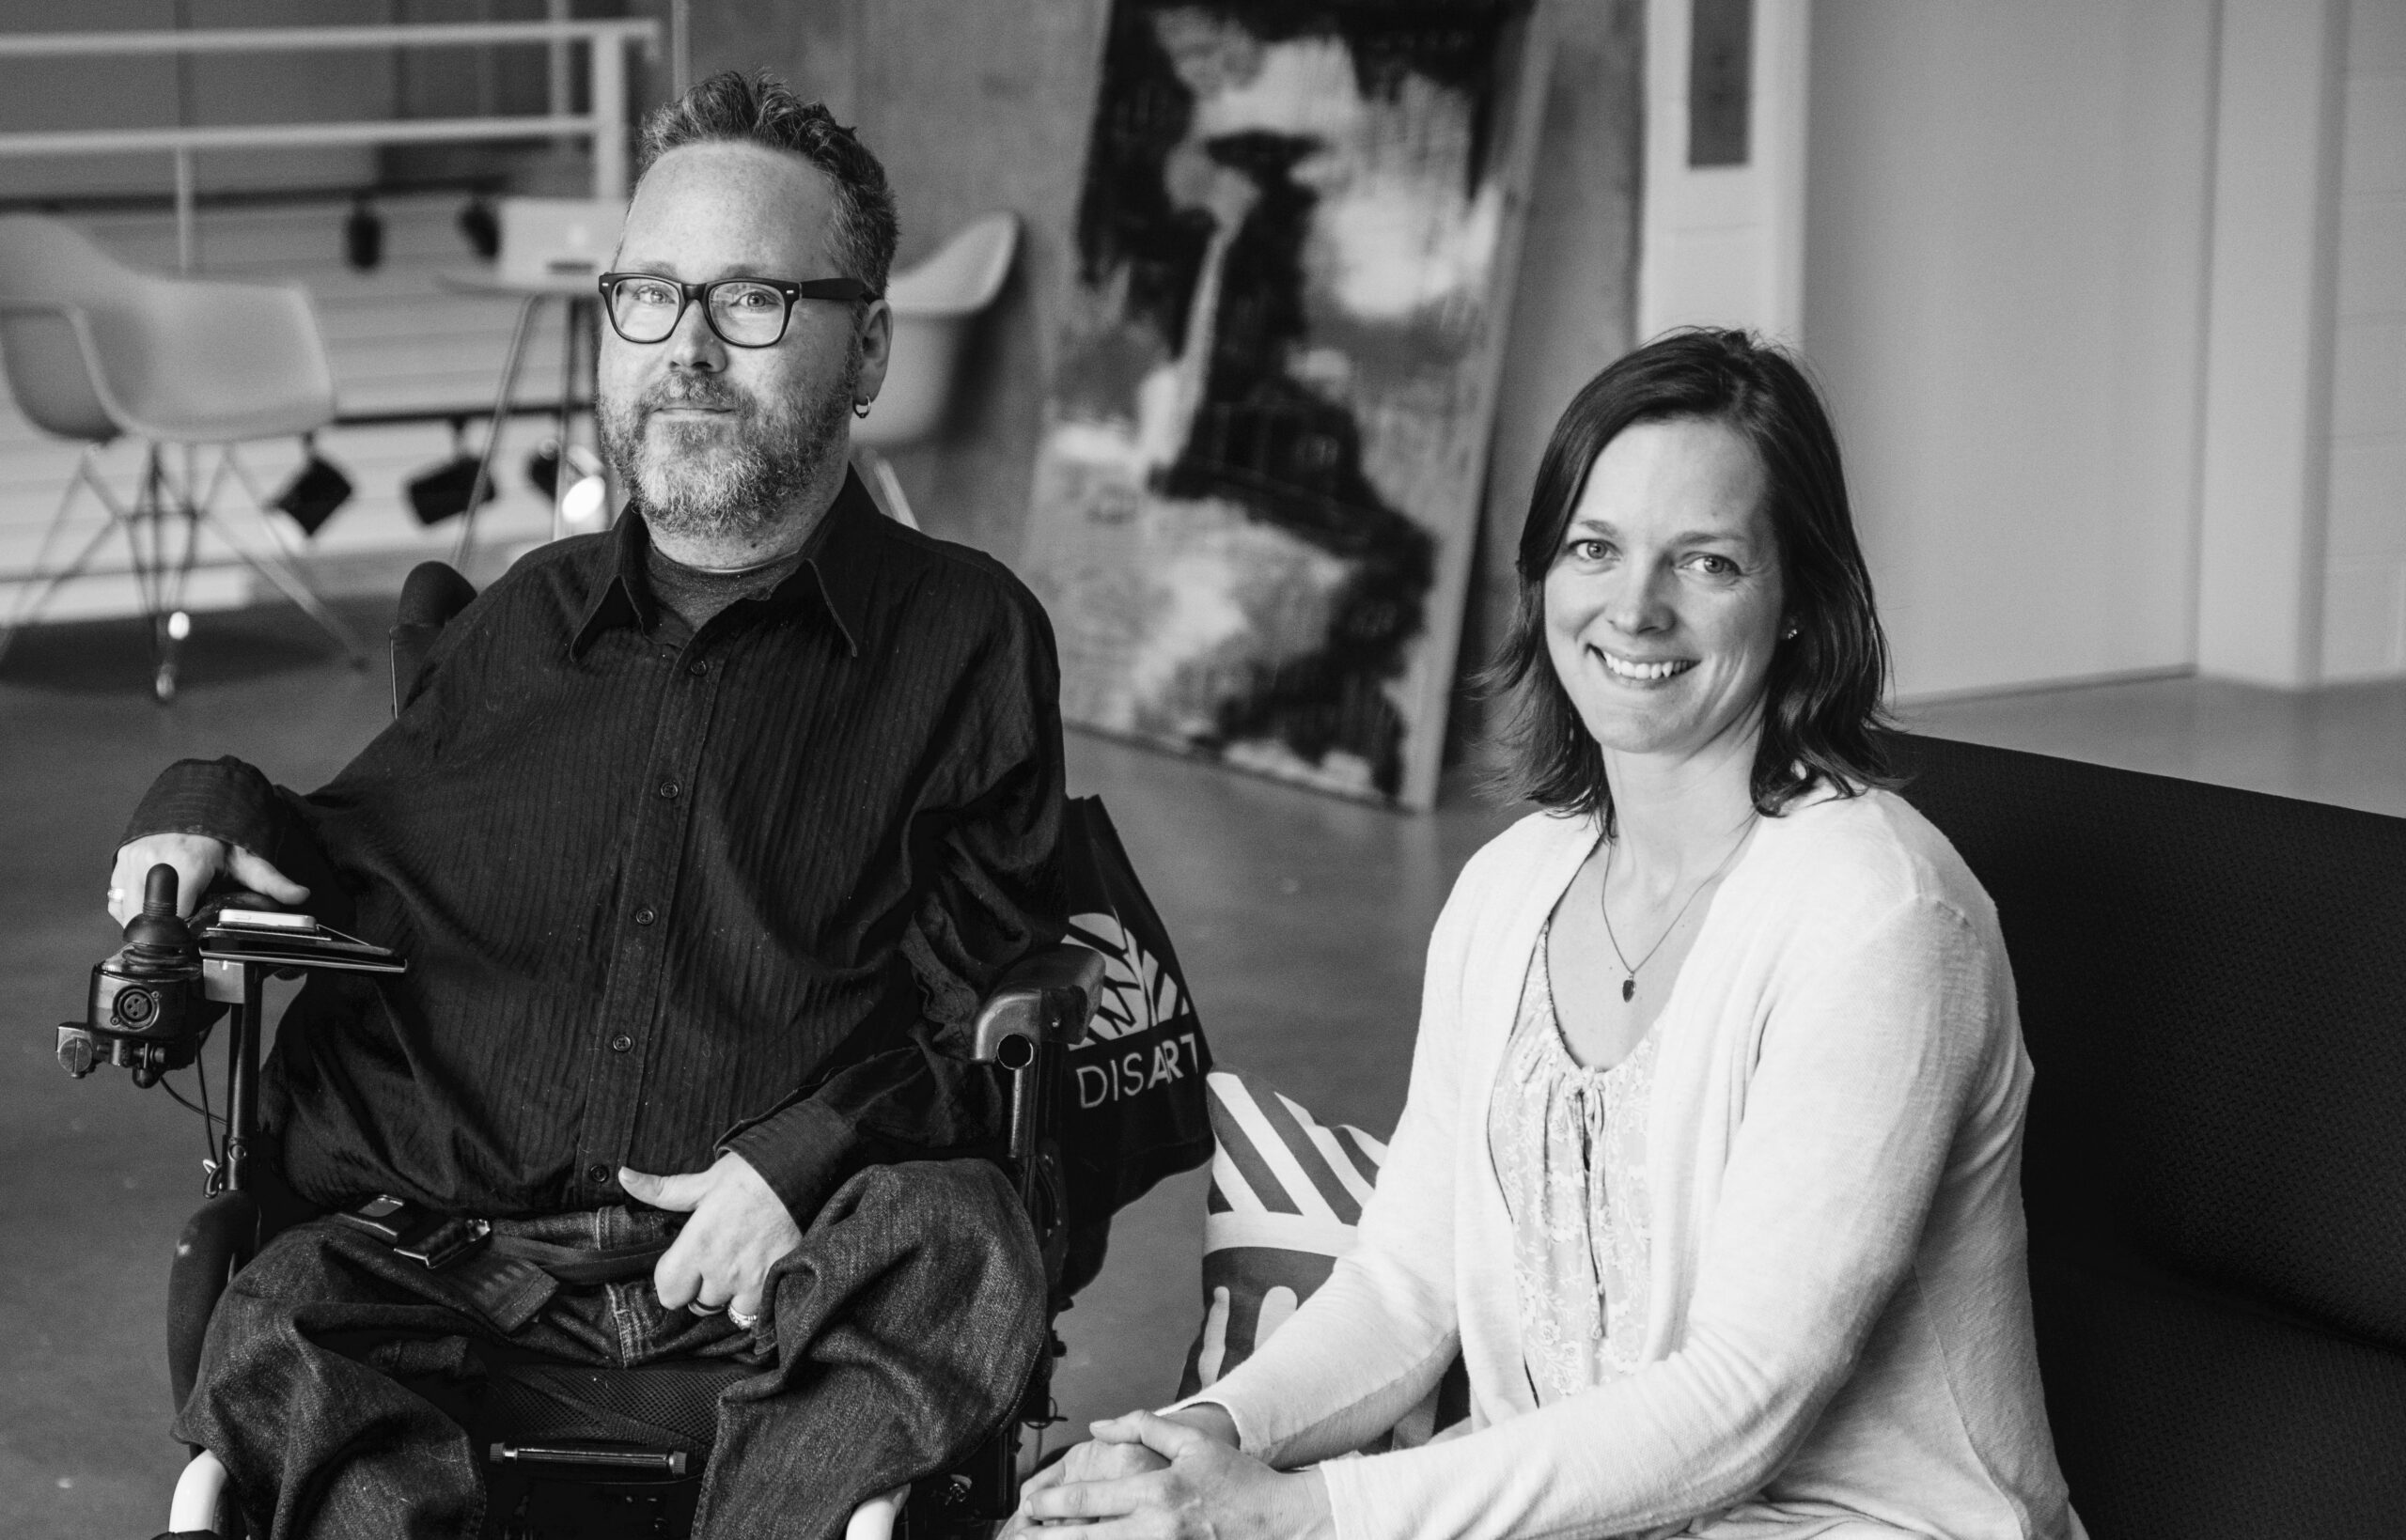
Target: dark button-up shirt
(664,892)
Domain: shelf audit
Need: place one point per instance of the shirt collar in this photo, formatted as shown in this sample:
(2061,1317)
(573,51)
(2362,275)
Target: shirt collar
(833,572)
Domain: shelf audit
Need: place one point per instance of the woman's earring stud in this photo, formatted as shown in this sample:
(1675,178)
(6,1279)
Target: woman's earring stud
(1788,635)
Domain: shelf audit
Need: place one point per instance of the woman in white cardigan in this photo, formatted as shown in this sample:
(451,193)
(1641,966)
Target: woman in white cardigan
(1710,1167)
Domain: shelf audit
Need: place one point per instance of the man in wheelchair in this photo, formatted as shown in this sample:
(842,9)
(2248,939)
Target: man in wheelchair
(702,838)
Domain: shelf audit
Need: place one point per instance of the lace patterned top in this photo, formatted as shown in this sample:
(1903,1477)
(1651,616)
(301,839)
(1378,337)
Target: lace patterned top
(1569,1145)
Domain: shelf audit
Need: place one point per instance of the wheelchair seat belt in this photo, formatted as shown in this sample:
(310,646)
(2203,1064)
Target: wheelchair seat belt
(582,1263)
(506,1279)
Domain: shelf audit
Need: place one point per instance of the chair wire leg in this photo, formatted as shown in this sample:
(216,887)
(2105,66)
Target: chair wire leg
(492,433)
(46,580)
(138,517)
(570,325)
(150,576)
(165,582)
(280,567)
(170,623)
(29,611)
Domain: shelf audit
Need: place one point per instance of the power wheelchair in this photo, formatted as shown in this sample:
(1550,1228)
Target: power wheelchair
(572,1450)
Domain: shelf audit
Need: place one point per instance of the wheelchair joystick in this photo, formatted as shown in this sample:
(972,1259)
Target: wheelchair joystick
(148,1009)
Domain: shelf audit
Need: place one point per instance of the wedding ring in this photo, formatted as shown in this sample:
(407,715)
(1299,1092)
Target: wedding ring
(742,1320)
(700,1309)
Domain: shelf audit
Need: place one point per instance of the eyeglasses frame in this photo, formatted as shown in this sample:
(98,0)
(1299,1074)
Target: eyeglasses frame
(842,290)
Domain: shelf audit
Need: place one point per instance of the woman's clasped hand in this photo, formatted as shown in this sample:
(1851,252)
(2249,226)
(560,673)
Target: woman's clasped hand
(1149,1477)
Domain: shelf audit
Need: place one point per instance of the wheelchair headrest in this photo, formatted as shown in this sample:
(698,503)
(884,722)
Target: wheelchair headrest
(431,595)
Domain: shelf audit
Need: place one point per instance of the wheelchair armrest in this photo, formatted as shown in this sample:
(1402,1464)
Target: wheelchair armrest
(1046,997)
(874,1519)
(221,1236)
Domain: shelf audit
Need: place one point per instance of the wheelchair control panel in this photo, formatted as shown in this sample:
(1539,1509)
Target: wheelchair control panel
(154,1003)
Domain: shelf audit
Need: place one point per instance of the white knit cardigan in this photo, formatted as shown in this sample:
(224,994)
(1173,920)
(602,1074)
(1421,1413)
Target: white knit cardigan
(1840,1342)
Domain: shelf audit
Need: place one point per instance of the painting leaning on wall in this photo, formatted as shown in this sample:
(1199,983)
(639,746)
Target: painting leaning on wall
(1257,484)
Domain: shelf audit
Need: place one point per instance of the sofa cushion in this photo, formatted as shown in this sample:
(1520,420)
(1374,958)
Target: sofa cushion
(2186,1412)
(2212,987)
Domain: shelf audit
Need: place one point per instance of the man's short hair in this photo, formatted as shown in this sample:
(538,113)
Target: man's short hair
(761,109)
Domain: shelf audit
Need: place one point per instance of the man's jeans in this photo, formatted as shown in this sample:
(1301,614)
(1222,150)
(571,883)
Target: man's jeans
(899,1332)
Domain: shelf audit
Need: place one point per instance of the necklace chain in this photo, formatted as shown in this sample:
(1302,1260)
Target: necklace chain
(1604,906)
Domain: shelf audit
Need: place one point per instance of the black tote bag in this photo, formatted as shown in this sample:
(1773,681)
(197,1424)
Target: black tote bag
(1137,1108)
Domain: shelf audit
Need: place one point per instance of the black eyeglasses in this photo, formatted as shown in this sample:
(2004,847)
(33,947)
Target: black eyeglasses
(646,307)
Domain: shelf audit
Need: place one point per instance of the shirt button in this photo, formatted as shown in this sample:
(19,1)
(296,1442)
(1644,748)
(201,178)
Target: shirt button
(644,915)
(622,1043)
(697,667)
(668,789)
(597,1173)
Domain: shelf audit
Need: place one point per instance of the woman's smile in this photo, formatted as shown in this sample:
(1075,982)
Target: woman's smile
(1643,673)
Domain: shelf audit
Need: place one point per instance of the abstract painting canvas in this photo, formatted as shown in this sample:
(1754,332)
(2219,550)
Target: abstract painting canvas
(1256,490)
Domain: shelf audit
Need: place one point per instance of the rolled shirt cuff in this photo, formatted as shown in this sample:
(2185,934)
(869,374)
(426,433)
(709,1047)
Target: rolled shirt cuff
(223,799)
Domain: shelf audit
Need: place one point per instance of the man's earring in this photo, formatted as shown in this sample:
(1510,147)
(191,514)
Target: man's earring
(860,409)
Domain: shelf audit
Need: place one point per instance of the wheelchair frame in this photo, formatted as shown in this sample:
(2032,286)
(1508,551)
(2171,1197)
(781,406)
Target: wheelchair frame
(1041,1009)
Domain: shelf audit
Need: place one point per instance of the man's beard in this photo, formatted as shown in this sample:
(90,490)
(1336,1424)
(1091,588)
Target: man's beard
(703,480)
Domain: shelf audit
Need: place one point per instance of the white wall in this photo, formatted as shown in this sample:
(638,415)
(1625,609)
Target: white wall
(2005,270)
(2364,617)
(2266,456)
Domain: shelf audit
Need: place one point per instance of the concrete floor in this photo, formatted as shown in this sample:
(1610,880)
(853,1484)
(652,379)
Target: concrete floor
(1301,921)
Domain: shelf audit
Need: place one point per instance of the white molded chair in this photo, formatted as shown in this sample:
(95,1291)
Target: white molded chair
(95,351)
(934,304)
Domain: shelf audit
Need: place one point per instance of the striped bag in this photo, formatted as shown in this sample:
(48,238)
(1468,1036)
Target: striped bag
(1287,1192)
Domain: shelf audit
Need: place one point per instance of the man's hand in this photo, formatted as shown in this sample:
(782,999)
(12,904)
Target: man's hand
(198,860)
(739,1230)
(1194,1484)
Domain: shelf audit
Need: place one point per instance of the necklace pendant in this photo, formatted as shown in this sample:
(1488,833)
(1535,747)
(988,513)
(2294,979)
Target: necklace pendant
(1629,988)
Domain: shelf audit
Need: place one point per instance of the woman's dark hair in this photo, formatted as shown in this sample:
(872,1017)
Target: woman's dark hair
(1822,707)
(761,109)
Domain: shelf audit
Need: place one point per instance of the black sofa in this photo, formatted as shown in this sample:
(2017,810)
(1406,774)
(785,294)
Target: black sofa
(2213,990)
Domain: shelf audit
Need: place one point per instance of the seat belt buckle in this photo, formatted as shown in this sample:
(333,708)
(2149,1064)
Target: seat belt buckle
(440,1245)
(433,1241)
(383,1216)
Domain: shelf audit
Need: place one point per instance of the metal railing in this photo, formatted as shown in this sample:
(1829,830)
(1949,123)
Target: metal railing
(604,121)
